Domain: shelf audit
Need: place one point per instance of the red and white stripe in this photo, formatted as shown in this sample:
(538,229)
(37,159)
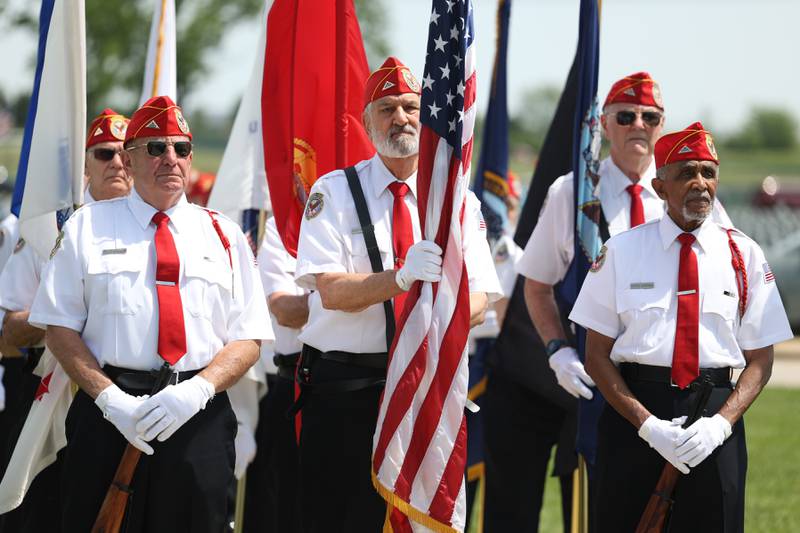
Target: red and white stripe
(419,448)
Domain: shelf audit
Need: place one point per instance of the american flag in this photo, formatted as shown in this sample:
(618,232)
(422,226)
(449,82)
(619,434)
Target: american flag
(419,448)
(768,275)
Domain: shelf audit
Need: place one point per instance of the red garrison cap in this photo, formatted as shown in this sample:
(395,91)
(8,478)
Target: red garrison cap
(158,117)
(391,79)
(692,144)
(637,88)
(108,126)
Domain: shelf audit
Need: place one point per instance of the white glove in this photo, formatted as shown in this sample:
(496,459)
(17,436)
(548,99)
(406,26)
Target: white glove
(245,444)
(663,436)
(165,412)
(702,438)
(570,372)
(118,407)
(423,262)
(2,389)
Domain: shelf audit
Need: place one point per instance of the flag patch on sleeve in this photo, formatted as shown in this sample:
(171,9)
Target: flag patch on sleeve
(768,275)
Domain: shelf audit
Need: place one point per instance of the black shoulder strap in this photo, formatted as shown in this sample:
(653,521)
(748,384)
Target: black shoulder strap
(603,227)
(368,231)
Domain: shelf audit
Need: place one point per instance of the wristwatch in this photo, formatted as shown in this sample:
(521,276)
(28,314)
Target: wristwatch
(555,345)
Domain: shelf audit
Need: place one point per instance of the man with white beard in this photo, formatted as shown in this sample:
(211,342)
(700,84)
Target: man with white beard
(360,271)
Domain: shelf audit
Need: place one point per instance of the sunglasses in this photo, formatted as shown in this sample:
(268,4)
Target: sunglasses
(105,154)
(158,148)
(626,118)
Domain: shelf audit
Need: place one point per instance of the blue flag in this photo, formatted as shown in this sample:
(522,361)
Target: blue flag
(491,182)
(585,164)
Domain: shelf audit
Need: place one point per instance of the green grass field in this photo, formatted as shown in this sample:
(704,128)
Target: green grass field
(773,475)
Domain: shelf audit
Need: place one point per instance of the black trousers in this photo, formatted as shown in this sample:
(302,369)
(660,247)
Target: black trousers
(709,499)
(271,499)
(522,428)
(337,495)
(182,488)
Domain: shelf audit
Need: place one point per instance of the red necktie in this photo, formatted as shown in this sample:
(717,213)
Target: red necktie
(171,329)
(637,209)
(402,235)
(685,357)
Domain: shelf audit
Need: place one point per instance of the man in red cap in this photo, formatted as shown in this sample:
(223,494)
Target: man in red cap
(145,285)
(668,305)
(105,173)
(358,287)
(106,178)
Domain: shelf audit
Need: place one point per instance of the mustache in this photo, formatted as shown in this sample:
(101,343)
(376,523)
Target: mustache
(694,195)
(408,128)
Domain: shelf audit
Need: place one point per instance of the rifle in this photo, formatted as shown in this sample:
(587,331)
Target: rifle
(658,507)
(109,519)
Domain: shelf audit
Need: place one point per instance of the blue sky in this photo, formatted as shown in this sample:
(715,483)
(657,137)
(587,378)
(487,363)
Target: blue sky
(713,58)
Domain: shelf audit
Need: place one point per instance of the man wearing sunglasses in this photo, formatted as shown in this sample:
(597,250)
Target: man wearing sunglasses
(106,179)
(146,285)
(632,119)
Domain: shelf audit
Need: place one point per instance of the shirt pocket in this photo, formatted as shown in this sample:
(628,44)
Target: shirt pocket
(114,274)
(360,256)
(720,309)
(643,313)
(208,285)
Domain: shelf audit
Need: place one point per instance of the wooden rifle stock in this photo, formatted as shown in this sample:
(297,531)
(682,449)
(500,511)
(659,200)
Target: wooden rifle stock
(109,519)
(659,505)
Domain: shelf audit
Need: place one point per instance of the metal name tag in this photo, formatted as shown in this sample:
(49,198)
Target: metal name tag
(115,251)
(643,285)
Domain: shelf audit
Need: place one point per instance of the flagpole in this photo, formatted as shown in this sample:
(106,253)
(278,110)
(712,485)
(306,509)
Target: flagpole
(159,49)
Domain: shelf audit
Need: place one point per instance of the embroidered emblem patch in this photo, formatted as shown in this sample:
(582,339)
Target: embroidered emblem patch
(314,205)
(685,150)
(118,128)
(657,95)
(711,147)
(20,245)
(57,244)
(387,85)
(601,258)
(182,124)
(153,125)
(412,82)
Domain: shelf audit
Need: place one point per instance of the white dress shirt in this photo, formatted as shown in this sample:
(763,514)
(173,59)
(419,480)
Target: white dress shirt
(277,267)
(505,254)
(331,241)
(551,247)
(630,295)
(9,235)
(101,283)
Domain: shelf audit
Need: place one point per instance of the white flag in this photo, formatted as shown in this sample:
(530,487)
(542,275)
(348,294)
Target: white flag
(242,179)
(50,172)
(160,70)
(42,436)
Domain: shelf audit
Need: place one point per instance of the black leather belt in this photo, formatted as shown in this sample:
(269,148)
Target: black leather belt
(366,360)
(720,377)
(32,357)
(144,379)
(286,364)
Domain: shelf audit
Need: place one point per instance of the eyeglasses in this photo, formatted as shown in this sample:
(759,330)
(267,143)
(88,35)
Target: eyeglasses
(105,154)
(626,118)
(158,148)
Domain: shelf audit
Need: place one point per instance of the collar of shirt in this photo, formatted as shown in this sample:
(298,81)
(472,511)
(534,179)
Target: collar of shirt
(617,182)
(669,232)
(381,178)
(143,212)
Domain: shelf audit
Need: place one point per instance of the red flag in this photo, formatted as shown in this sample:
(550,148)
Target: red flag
(314,74)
